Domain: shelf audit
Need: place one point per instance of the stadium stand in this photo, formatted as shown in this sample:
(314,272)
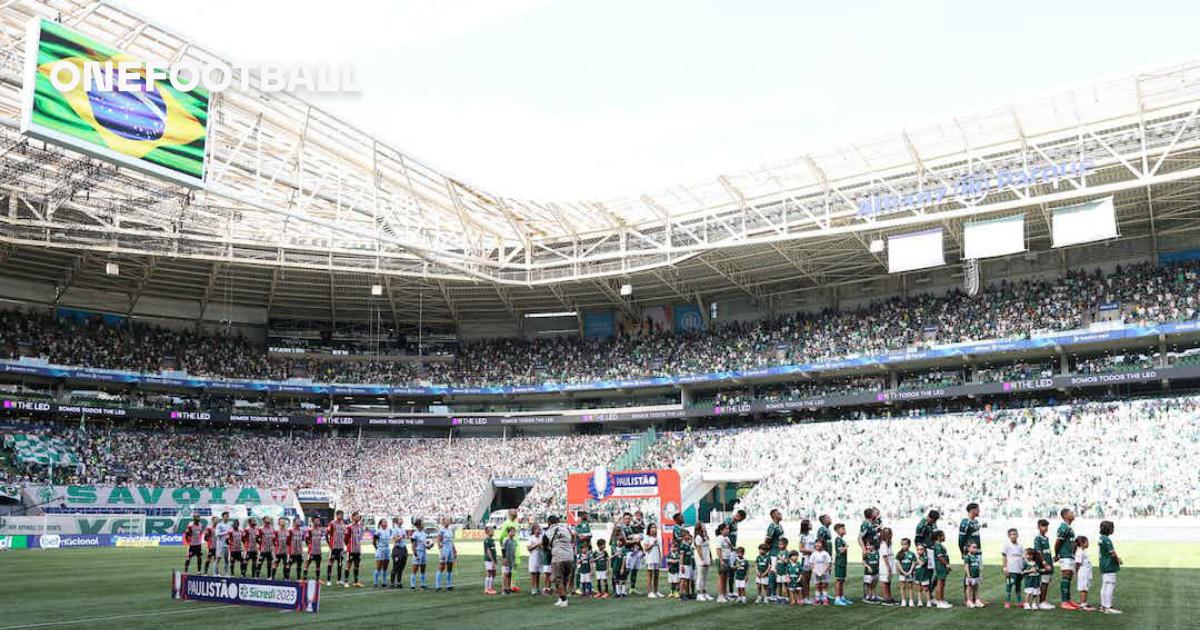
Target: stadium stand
(1108,459)
(1146,293)
(1049,456)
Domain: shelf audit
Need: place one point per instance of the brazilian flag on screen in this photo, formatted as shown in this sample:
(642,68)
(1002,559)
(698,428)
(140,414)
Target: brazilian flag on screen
(155,127)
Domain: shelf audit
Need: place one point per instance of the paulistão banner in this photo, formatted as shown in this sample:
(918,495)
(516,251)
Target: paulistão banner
(301,596)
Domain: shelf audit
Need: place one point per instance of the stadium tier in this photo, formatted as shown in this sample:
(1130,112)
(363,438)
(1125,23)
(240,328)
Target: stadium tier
(1125,462)
(1144,294)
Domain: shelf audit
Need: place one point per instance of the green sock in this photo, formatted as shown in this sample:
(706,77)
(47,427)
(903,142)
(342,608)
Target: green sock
(1065,587)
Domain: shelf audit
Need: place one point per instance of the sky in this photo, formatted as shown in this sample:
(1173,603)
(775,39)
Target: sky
(581,99)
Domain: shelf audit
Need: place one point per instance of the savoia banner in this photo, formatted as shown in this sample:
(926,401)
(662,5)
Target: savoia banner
(55,498)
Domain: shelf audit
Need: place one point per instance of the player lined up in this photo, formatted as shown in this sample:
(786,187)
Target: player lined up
(263,550)
(803,575)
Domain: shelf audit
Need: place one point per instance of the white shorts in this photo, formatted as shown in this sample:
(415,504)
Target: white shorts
(884,574)
(601,575)
(685,573)
(535,563)
(1032,590)
(763,581)
(1108,578)
(971,581)
(868,579)
(545,568)
(1046,579)
(822,578)
(741,584)
(634,561)
(931,564)
(489,565)
(1066,564)
(904,578)
(672,578)
(585,578)
(1083,578)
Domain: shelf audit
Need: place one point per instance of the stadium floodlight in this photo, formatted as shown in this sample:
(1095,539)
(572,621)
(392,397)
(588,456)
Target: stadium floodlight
(112,269)
(876,246)
(376,289)
(551,314)
(626,290)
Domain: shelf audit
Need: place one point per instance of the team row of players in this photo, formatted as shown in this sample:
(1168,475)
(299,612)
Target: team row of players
(921,564)
(223,547)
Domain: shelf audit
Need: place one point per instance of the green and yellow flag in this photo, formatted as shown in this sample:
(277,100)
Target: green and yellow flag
(154,124)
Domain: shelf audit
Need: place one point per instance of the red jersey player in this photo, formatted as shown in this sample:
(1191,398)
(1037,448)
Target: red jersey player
(193,537)
(337,547)
(354,536)
(313,536)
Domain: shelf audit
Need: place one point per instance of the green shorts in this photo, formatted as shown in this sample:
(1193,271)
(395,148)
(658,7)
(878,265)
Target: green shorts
(839,572)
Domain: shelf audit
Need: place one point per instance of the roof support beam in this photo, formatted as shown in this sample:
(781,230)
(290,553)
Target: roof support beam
(391,298)
(140,285)
(506,300)
(734,276)
(271,292)
(213,274)
(449,301)
(616,298)
(332,299)
(70,276)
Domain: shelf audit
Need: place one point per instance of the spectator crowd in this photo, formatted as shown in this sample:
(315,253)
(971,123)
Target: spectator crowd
(1145,293)
(1106,459)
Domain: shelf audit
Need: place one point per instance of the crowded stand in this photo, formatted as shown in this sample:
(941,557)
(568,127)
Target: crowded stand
(393,475)
(1026,462)
(935,378)
(1014,458)
(1127,362)
(1019,371)
(1146,293)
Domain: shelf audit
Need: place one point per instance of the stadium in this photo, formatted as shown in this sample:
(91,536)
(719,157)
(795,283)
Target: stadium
(953,366)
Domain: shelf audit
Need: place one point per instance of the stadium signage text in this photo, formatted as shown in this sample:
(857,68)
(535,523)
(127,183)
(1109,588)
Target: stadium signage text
(125,498)
(131,76)
(300,596)
(971,189)
(182,497)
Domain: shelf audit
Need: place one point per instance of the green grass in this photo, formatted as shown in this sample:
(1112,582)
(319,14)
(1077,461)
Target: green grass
(129,588)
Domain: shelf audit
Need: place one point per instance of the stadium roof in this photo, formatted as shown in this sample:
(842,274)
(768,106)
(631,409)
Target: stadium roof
(303,212)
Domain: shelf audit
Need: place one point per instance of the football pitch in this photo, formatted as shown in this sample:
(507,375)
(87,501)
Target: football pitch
(130,588)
